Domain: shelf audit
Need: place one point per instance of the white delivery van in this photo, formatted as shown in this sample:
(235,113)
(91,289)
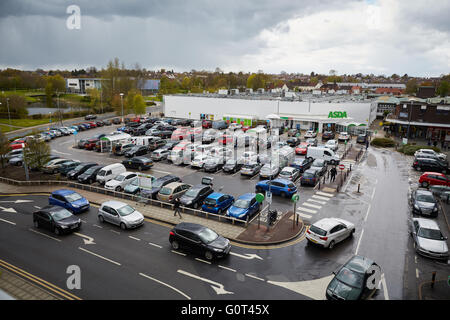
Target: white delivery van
(323,153)
(144,140)
(286,155)
(110,172)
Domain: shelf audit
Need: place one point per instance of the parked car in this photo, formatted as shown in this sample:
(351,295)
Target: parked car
(90,117)
(206,124)
(289,173)
(159,183)
(302,164)
(269,171)
(140,130)
(329,231)
(442,192)
(244,206)
(120,214)
(424,203)
(322,153)
(294,133)
(136,151)
(90,144)
(332,144)
(199,239)
(69,199)
(302,148)
(89,176)
(310,177)
(423,164)
(16,161)
(349,282)
(160,154)
(13,153)
(140,163)
(217,202)
(312,142)
(109,172)
(282,187)
(343,136)
(120,149)
(433,178)
(361,138)
(80,169)
(121,181)
(250,169)
(134,186)
(232,166)
(56,219)
(213,164)
(293,142)
(68,166)
(310,134)
(53,165)
(429,240)
(172,191)
(195,196)
(442,156)
(199,161)
(320,165)
(116,121)
(327,135)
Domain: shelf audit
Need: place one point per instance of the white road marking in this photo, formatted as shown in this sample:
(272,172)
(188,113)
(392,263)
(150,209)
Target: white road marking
(306,210)
(86,239)
(373,193)
(161,171)
(67,154)
(307,216)
(359,242)
(247,256)
(367,214)
(155,245)
(181,254)
(10,210)
(95,225)
(226,268)
(37,207)
(131,237)
(218,288)
(320,197)
(415,259)
(17,201)
(99,256)
(116,232)
(311,205)
(325,194)
(165,284)
(254,277)
(417,273)
(43,234)
(316,201)
(315,289)
(201,260)
(13,223)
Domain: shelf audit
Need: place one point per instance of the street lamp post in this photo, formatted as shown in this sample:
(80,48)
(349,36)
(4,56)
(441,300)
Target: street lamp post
(409,118)
(9,115)
(59,112)
(121,100)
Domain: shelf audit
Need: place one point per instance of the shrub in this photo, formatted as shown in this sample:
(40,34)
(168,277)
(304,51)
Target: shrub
(382,142)
(409,149)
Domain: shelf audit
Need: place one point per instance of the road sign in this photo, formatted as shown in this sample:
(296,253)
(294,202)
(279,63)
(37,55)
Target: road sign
(295,197)
(259,197)
(269,196)
(341,167)
(75,133)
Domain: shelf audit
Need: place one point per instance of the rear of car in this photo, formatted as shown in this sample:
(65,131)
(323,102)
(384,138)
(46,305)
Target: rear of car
(310,177)
(217,202)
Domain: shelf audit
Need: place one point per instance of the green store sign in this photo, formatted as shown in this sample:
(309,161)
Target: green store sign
(337,114)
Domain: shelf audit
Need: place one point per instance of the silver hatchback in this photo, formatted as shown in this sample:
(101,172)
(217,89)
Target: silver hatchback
(120,214)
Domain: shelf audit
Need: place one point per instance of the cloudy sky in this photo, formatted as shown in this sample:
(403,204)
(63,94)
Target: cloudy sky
(349,36)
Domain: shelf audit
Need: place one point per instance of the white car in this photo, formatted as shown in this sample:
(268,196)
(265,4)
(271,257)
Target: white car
(248,156)
(234,126)
(329,231)
(344,136)
(441,156)
(199,161)
(121,214)
(121,181)
(332,144)
(428,239)
(310,134)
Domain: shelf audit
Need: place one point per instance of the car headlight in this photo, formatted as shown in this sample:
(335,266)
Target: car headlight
(416,207)
(435,209)
(75,206)
(64,227)
(217,250)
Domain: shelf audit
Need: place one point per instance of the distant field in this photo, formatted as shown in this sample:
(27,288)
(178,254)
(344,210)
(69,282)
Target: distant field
(24,122)
(5,129)
(26,94)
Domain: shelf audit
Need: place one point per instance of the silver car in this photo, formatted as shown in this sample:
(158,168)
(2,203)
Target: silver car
(329,231)
(428,239)
(160,154)
(120,214)
(267,171)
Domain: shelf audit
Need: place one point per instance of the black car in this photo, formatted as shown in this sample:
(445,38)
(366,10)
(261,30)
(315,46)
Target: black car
(130,126)
(195,196)
(80,169)
(140,130)
(136,151)
(99,123)
(433,165)
(67,167)
(310,177)
(140,163)
(169,145)
(90,117)
(213,164)
(361,138)
(199,239)
(232,166)
(328,135)
(116,121)
(120,149)
(56,219)
(89,175)
(158,184)
(321,165)
(293,142)
(302,164)
(156,144)
(165,134)
(424,203)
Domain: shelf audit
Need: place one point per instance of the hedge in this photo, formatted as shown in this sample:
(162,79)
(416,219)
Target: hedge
(382,142)
(409,149)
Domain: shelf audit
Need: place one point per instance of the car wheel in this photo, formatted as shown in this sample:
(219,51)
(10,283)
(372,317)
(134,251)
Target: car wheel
(333,162)
(36,224)
(140,168)
(175,245)
(208,255)
(101,219)
(331,245)
(118,189)
(196,205)
(425,184)
(418,169)
(56,231)
(123,226)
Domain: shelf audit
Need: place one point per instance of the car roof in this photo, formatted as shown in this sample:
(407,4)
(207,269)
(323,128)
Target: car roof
(173,185)
(326,223)
(194,227)
(215,195)
(359,263)
(424,191)
(290,169)
(433,173)
(63,192)
(427,223)
(114,204)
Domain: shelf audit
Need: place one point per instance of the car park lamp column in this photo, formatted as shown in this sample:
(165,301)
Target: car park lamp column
(121,101)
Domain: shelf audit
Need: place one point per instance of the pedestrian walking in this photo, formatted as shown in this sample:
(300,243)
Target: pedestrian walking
(333,173)
(176,206)
(367,143)
(435,143)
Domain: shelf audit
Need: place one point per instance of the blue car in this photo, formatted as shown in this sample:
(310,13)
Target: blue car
(281,187)
(69,199)
(217,202)
(122,129)
(245,206)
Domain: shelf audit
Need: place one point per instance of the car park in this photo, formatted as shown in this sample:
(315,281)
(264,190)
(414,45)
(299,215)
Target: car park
(425,164)
(69,199)
(120,214)
(121,181)
(244,206)
(136,151)
(282,187)
(433,178)
(424,203)
(302,164)
(80,169)
(320,165)
(53,165)
(217,202)
(269,171)
(250,169)
(232,166)
(289,173)
(68,166)
(349,281)
(172,191)
(56,219)
(428,238)
(200,240)
(159,183)
(329,231)
(140,163)
(89,176)
(310,177)
(195,196)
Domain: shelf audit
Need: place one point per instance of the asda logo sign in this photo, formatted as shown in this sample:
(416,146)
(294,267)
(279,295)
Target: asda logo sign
(337,114)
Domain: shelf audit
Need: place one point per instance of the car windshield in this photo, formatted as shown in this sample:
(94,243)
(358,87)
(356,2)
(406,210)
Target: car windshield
(432,234)
(425,198)
(210,201)
(73,197)
(135,182)
(134,149)
(231,162)
(79,167)
(285,173)
(90,170)
(207,235)
(308,175)
(165,191)
(317,230)
(192,193)
(119,178)
(318,163)
(243,204)
(125,210)
(350,278)
(61,214)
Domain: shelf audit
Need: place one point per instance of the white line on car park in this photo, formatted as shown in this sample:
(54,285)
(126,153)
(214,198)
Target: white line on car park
(155,245)
(204,261)
(169,286)
(99,256)
(43,234)
(254,277)
(417,273)
(385,290)
(98,226)
(13,223)
(181,254)
(226,268)
(131,237)
(116,232)
(359,241)
(367,214)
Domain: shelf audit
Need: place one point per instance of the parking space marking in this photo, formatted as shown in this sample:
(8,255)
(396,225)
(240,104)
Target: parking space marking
(116,232)
(131,237)
(359,242)
(180,253)
(201,260)
(226,268)
(155,245)
(311,205)
(306,210)
(254,277)
(161,171)
(417,273)
(97,226)
(169,286)
(43,234)
(320,197)
(325,194)
(99,256)
(13,223)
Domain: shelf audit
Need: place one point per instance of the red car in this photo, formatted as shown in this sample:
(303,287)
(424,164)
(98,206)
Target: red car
(302,148)
(17,144)
(225,139)
(206,124)
(92,124)
(90,144)
(434,178)
(245,128)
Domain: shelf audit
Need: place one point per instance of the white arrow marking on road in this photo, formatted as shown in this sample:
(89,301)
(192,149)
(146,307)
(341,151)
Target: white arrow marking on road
(218,288)
(8,210)
(247,256)
(19,201)
(87,239)
(315,289)
(37,207)
(169,286)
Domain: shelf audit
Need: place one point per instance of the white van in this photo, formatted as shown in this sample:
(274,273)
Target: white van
(324,154)
(144,140)
(110,172)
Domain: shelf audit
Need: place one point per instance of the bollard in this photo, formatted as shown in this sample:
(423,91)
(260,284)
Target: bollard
(448,199)
(433,279)
(358,187)
(350,167)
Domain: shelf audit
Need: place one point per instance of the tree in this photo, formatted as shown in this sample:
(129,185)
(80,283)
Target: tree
(129,101)
(94,96)
(256,81)
(116,104)
(444,88)
(4,147)
(411,86)
(36,153)
(139,104)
